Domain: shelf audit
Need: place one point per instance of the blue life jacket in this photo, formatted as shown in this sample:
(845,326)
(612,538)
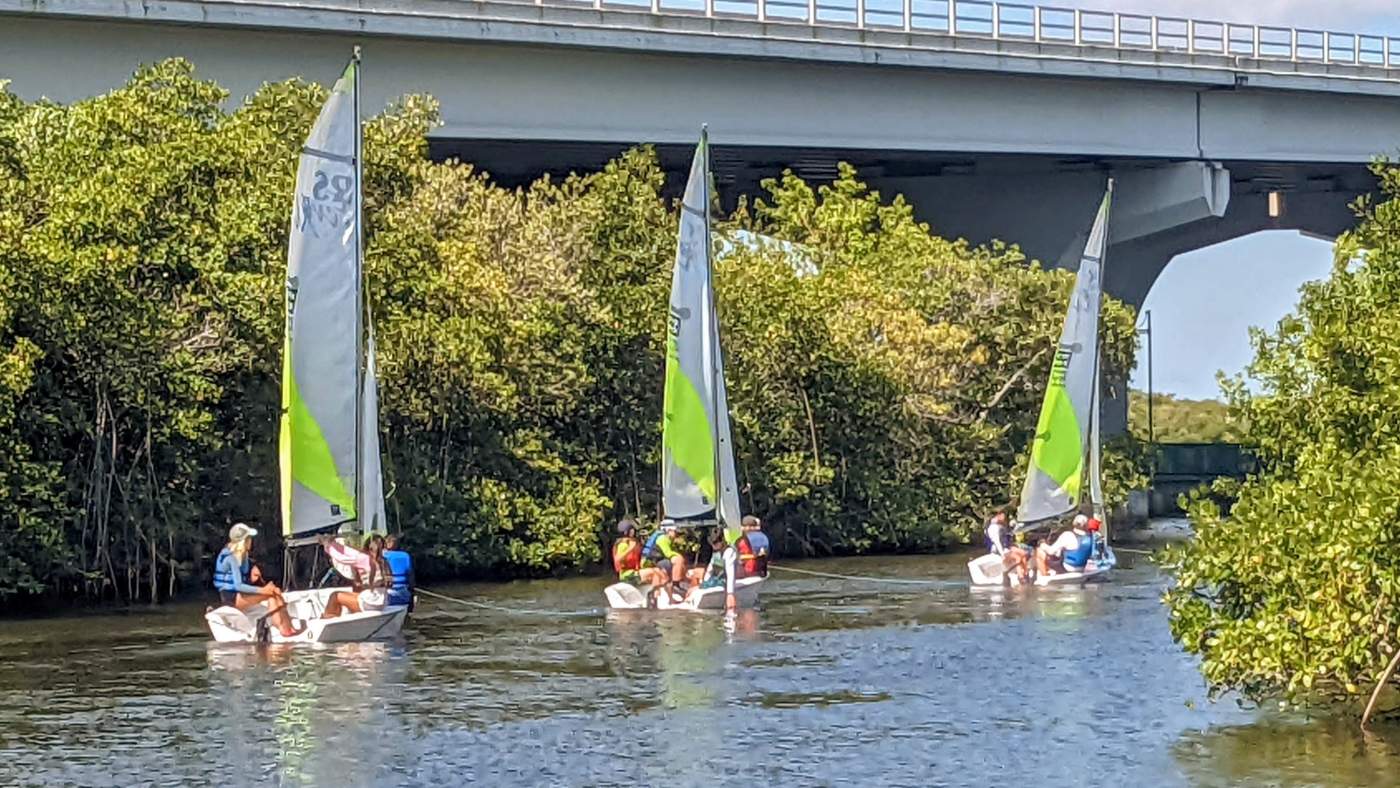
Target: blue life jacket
(401,567)
(649,550)
(224,579)
(1078,558)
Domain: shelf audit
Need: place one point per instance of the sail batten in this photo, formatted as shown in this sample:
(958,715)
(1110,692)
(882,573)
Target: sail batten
(697,458)
(1068,414)
(319,446)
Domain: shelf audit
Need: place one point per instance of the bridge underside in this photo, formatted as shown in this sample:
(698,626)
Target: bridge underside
(1044,203)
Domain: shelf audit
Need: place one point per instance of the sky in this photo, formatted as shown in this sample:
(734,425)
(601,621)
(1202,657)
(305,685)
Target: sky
(1343,16)
(1205,302)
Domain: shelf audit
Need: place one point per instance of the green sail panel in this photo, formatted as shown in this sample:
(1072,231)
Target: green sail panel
(318,445)
(1056,474)
(697,460)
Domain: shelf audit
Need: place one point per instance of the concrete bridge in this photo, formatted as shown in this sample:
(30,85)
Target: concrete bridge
(996,120)
(1183,467)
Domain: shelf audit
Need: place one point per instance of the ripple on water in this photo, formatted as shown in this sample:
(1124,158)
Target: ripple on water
(832,683)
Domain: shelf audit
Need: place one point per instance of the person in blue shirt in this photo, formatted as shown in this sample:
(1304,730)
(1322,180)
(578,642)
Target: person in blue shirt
(401,567)
(235,576)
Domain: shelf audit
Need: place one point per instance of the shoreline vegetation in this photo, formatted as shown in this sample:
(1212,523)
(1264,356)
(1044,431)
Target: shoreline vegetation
(1295,596)
(884,386)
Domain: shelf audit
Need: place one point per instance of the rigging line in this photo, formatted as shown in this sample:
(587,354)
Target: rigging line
(858,578)
(511,610)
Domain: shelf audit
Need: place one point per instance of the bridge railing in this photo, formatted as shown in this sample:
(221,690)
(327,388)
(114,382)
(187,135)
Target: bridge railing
(1021,22)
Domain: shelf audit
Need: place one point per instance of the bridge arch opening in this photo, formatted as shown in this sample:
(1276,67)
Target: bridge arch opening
(1202,308)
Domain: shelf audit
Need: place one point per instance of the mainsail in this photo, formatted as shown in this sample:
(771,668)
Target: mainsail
(319,438)
(1062,434)
(697,459)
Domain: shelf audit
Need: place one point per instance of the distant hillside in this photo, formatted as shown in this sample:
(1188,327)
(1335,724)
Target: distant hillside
(1182,420)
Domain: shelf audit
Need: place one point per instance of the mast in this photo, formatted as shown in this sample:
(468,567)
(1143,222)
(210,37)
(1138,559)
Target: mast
(359,301)
(715,369)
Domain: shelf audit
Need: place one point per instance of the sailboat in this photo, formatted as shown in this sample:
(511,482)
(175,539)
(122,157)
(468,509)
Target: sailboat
(329,432)
(699,485)
(1067,446)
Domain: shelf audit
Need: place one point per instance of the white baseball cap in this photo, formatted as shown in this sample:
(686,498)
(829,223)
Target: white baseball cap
(241,531)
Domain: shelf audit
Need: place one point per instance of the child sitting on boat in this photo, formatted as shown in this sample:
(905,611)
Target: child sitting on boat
(370,588)
(722,570)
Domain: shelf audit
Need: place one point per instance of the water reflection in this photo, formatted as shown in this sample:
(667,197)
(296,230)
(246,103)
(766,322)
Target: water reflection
(1291,751)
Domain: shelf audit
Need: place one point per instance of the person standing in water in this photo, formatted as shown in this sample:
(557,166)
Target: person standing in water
(233,571)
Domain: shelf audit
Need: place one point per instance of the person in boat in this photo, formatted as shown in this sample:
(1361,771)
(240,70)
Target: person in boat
(627,558)
(370,591)
(661,553)
(402,581)
(758,544)
(1069,552)
(722,571)
(1001,540)
(235,577)
(1095,529)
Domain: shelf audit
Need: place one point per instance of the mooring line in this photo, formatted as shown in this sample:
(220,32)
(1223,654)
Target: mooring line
(858,578)
(510,610)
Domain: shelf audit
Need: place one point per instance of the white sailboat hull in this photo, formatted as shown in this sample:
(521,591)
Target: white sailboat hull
(988,570)
(230,625)
(625,596)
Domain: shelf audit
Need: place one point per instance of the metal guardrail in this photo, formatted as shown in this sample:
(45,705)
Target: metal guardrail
(1019,22)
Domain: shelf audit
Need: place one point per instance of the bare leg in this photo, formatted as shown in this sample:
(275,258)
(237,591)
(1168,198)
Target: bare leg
(1041,566)
(277,609)
(678,569)
(340,602)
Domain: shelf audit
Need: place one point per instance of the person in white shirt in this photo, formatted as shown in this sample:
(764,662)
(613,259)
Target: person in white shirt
(999,537)
(1068,552)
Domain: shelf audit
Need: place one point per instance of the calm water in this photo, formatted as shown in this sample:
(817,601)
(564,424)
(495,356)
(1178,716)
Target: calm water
(831,683)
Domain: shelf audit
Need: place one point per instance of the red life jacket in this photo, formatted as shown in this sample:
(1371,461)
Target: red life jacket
(627,555)
(748,562)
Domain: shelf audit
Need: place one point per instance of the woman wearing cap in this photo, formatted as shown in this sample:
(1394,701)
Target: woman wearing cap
(232,571)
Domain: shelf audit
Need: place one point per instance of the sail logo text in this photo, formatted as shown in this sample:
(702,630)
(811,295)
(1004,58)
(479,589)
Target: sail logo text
(329,208)
(1059,368)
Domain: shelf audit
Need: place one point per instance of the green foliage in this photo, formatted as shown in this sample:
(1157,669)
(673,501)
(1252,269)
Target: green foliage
(882,401)
(1295,593)
(1177,420)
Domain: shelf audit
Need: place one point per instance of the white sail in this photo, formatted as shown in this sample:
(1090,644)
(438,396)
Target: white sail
(698,479)
(729,514)
(320,381)
(1096,448)
(1055,476)
(372,515)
